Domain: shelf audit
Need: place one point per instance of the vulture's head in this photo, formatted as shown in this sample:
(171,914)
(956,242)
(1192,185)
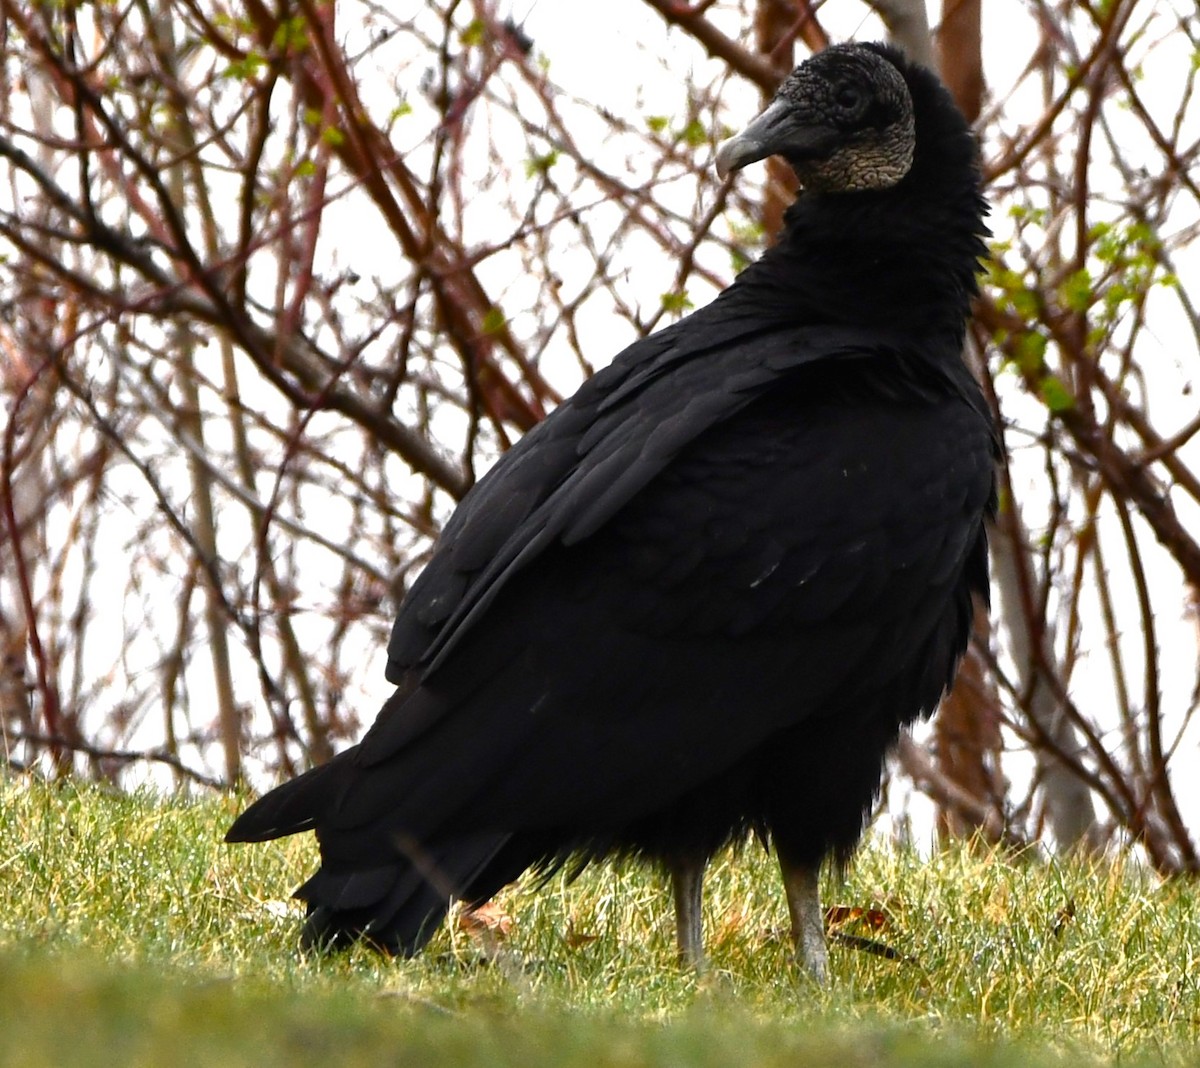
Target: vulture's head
(843,120)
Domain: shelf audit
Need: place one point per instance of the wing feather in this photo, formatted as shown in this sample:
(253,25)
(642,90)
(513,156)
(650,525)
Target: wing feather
(574,472)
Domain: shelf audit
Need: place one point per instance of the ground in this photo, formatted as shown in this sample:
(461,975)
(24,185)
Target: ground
(128,931)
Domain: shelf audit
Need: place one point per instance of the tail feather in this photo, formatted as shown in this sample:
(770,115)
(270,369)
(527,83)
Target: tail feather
(349,891)
(296,805)
(396,906)
(379,883)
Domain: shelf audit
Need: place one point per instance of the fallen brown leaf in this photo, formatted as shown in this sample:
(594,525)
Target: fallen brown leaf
(486,919)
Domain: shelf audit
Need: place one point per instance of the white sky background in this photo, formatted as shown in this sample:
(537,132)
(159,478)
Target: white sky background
(594,51)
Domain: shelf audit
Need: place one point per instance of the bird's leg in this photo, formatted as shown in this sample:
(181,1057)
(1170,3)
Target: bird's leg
(687,882)
(808,922)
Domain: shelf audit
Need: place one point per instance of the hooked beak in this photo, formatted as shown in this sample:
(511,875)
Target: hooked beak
(777,130)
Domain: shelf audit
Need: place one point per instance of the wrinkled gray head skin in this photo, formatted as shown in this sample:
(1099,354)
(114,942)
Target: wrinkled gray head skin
(843,120)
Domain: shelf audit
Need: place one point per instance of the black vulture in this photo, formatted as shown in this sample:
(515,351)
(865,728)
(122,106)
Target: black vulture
(701,599)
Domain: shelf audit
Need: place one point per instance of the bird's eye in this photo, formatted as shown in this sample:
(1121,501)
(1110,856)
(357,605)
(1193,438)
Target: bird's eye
(848,97)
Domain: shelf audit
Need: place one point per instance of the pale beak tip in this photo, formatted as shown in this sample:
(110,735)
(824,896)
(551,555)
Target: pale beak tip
(729,157)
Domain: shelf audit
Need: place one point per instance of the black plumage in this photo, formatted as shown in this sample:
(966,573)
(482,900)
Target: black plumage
(705,594)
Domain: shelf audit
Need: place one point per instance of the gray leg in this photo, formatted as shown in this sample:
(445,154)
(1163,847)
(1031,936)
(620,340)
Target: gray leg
(808,922)
(687,881)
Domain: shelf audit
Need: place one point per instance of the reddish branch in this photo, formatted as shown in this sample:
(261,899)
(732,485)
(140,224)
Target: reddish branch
(322,79)
(951,797)
(1126,476)
(47,688)
(750,65)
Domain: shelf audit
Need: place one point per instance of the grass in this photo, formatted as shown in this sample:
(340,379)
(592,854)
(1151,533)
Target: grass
(129,934)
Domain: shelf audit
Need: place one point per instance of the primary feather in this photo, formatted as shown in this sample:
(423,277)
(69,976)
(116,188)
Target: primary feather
(706,593)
